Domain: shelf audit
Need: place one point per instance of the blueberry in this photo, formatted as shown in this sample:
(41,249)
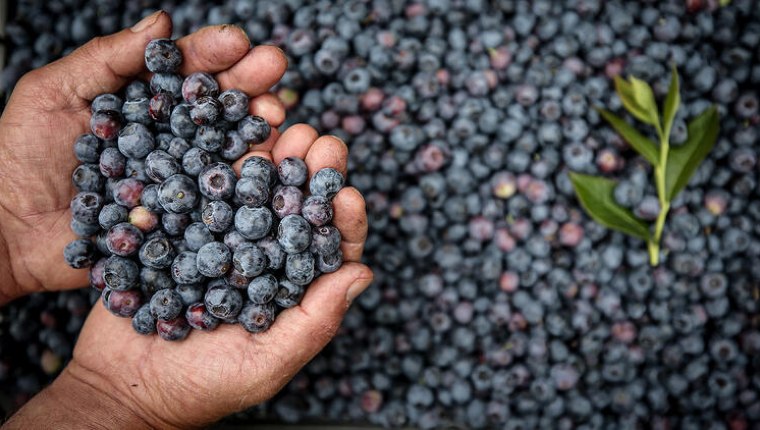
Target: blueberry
(299,268)
(85,207)
(288,294)
(79,254)
(197,235)
(233,239)
(178,194)
(233,147)
(223,302)
(293,171)
(205,110)
(259,167)
(177,148)
(184,268)
(160,107)
(173,330)
(235,104)
(194,160)
(217,181)
(199,84)
(137,89)
(120,274)
(253,223)
(152,280)
(157,252)
(106,124)
(214,259)
(325,240)
(165,305)
(135,169)
(328,263)
(142,321)
(273,251)
(137,110)
(180,122)
(112,214)
(190,293)
(199,318)
(124,239)
(159,165)
(252,192)
(135,140)
(162,56)
(257,318)
(82,229)
(287,200)
(294,234)
(249,260)
(209,138)
(317,210)
(122,303)
(175,224)
(262,289)
(326,183)
(254,130)
(86,148)
(87,177)
(127,192)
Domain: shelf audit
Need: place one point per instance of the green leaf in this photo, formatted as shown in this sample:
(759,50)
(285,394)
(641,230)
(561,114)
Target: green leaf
(684,160)
(595,195)
(672,103)
(644,97)
(638,141)
(625,91)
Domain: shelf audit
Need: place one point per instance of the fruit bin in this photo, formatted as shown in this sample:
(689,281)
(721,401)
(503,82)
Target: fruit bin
(503,297)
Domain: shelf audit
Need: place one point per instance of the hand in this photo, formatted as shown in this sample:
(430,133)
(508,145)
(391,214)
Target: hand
(120,378)
(49,108)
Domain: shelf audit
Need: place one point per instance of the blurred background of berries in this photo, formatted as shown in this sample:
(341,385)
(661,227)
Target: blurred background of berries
(497,302)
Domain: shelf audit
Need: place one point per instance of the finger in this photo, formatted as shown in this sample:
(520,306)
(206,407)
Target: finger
(269,107)
(255,73)
(351,219)
(294,142)
(298,334)
(213,49)
(327,151)
(105,64)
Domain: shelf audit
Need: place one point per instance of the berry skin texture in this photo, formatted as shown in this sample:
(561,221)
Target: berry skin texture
(135,141)
(326,182)
(143,322)
(106,102)
(289,294)
(235,105)
(190,293)
(325,240)
(79,254)
(162,56)
(205,110)
(196,235)
(257,318)
(112,163)
(249,260)
(137,110)
(159,165)
(218,216)
(199,318)
(124,239)
(120,274)
(85,207)
(184,268)
(165,304)
(214,259)
(233,147)
(273,251)
(127,192)
(96,275)
(194,160)
(287,200)
(180,123)
(328,263)
(178,194)
(175,224)
(122,303)
(199,84)
(259,167)
(317,210)
(143,219)
(157,252)
(87,177)
(252,192)
(106,124)
(299,268)
(173,330)
(293,171)
(262,289)
(254,130)
(209,138)
(223,302)
(294,234)
(160,107)
(253,223)
(86,148)
(217,181)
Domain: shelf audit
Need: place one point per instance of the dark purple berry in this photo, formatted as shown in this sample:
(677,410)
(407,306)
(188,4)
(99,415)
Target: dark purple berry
(106,124)
(317,210)
(287,200)
(254,130)
(136,141)
(86,148)
(223,302)
(112,163)
(143,322)
(157,252)
(162,56)
(184,268)
(199,84)
(249,260)
(217,181)
(127,192)
(235,105)
(180,123)
(79,254)
(293,171)
(233,147)
(257,318)
(160,107)
(288,294)
(194,160)
(120,273)
(209,138)
(175,224)
(326,182)
(325,240)
(85,207)
(199,318)
(165,304)
(218,216)
(87,177)
(197,235)
(178,194)
(205,110)
(253,223)
(159,165)
(173,330)
(122,303)
(259,167)
(214,259)
(262,289)
(294,234)
(328,263)
(252,192)
(112,214)
(299,268)
(124,239)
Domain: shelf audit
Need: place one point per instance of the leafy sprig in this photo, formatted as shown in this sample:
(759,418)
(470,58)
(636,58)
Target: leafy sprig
(673,167)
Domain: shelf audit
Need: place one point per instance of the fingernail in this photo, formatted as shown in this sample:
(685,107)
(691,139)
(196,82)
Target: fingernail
(146,22)
(357,288)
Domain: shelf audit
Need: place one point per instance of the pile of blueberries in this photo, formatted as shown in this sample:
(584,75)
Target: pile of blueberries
(497,302)
(175,240)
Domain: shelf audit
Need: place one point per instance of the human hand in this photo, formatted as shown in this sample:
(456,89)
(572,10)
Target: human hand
(49,108)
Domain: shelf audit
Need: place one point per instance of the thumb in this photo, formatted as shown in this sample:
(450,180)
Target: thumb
(105,64)
(298,334)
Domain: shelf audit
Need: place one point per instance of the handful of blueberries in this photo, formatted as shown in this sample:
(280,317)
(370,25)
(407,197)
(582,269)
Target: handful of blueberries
(173,238)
